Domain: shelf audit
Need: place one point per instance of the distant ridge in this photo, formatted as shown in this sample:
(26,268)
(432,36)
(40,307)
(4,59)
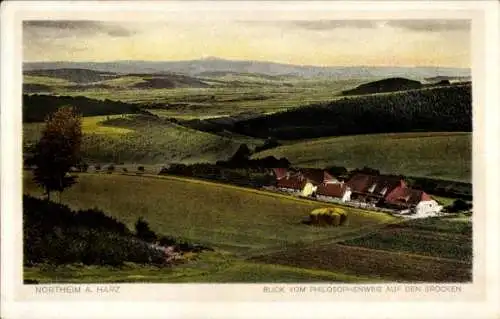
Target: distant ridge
(385,85)
(212,64)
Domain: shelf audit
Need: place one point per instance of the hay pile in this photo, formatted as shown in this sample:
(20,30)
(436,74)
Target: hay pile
(328,216)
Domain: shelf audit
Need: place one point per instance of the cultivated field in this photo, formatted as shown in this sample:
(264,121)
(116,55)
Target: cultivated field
(223,216)
(437,155)
(227,94)
(387,265)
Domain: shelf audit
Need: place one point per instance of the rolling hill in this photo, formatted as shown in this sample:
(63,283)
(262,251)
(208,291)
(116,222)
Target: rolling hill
(201,66)
(37,107)
(384,86)
(433,155)
(446,108)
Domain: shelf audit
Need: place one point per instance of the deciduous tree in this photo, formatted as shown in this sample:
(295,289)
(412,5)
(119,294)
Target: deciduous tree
(58,150)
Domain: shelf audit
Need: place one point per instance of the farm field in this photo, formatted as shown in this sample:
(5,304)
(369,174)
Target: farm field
(139,139)
(437,155)
(227,94)
(222,216)
(386,265)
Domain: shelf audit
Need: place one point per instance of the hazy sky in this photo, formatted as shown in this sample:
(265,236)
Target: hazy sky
(309,42)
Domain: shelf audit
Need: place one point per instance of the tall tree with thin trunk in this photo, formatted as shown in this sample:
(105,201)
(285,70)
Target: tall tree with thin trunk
(58,150)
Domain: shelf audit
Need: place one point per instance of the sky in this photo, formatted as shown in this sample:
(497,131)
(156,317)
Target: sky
(444,43)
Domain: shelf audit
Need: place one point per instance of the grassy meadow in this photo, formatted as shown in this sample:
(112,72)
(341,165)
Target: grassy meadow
(436,155)
(138,139)
(224,216)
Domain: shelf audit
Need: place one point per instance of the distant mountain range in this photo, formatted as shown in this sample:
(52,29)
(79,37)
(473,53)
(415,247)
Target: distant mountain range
(204,66)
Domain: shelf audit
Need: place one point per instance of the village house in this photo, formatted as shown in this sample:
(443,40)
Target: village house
(412,201)
(332,192)
(372,189)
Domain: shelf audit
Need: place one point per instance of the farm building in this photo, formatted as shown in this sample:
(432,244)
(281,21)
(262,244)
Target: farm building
(305,181)
(415,201)
(373,188)
(333,192)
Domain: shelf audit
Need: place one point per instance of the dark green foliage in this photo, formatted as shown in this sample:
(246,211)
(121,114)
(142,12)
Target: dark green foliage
(140,169)
(386,85)
(459,205)
(57,151)
(37,107)
(241,176)
(435,109)
(143,231)
(55,234)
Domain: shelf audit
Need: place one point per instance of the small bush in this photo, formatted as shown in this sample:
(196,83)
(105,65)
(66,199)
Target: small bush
(140,169)
(143,231)
(97,167)
(111,168)
(125,170)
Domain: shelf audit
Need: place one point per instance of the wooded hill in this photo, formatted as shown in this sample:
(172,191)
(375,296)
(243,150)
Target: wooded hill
(385,85)
(437,109)
(37,107)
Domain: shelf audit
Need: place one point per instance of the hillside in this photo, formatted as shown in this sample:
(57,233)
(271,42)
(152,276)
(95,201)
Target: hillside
(447,108)
(37,107)
(433,155)
(85,79)
(200,66)
(73,74)
(384,86)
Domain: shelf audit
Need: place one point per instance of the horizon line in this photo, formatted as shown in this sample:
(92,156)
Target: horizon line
(258,61)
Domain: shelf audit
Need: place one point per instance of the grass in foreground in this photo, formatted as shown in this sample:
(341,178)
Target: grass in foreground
(209,267)
(221,216)
(438,155)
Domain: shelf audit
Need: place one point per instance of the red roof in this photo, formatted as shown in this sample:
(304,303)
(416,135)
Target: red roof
(280,172)
(314,175)
(332,190)
(292,182)
(406,196)
(327,177)
(378,185)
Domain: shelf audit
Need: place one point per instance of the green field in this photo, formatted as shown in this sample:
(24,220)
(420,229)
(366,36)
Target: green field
(230,94)
(138,139)
(224,216)
(436,155)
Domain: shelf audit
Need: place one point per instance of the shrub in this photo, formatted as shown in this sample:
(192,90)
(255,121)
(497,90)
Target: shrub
(56,235)
(125,170)
(111,168)
(143,231)
(97,167)
(140,169)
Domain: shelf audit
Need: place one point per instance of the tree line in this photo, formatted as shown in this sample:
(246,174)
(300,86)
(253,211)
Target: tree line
(433,109)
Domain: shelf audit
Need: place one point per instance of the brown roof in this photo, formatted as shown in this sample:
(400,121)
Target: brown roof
(406,196)
(374,184)
(292,182)
(314,175)
(280,172)
(332,190)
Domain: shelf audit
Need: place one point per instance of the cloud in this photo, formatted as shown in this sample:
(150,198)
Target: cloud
(334,24)
(431,25)
(68,28)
